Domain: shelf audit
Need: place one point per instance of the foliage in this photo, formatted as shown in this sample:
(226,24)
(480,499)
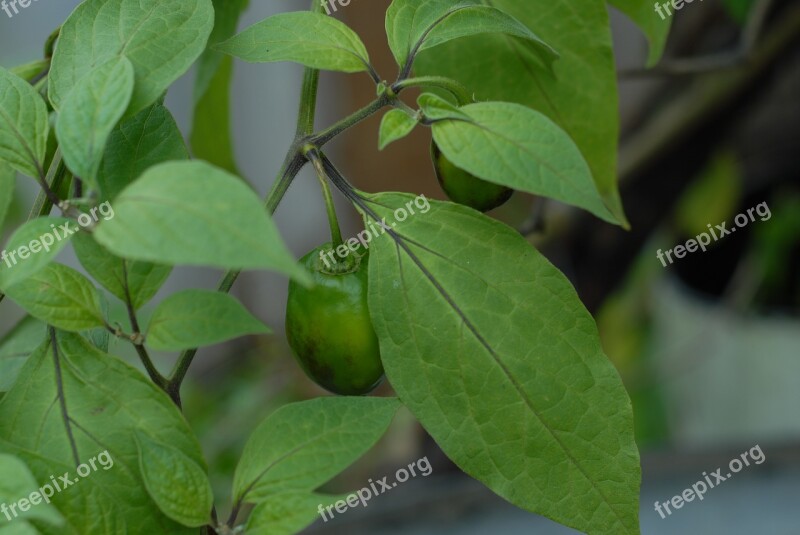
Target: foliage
(481,337)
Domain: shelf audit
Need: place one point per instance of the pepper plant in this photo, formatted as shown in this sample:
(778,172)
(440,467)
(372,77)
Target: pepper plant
(483,340)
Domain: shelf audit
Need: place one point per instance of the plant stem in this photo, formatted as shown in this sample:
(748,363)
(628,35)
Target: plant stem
(55,177)
(321,138)
(453,87)
(333,221)
(45,180)
(144,356)
(308,95)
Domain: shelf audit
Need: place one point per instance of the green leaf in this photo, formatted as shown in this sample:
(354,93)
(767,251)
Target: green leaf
(489,346)
(312,39)
(435,107)
(287,513)
(196,318)
(108,403)
(416,25)
(34,245)
(9,370)
(60,296)
(16,347)
(196,214)
(226,18)
(302,445)
(161,38)
(16,483)
(23,338)
(517,147)
(18,528)
(146,139)
(211,127)
(90,113)
(581,94)
(23,125)
(7,181)
(655,27)
(142,279)
(396,124)
(179,486)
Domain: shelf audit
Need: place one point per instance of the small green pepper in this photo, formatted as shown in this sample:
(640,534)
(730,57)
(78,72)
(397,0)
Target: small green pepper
(328,325)
(465,188)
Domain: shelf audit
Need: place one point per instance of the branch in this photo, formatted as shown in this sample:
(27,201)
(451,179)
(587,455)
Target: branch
(136,339)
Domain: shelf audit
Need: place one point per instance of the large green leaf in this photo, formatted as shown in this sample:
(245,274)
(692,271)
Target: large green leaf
(15,348)
(161,38)
(34,245)
(23,125)
(211,137)
(580,95)
(287,513)
(518,147)
(19,528)
(226,18)
(17,483)
(90,112)
(489,346)
(149,137)
(60,296)
(312,39)
(134,279)
(302,445)
(179,486)
(655,27)
(196,318)
(416,25)
(211,129)
(107,404)
(194,213)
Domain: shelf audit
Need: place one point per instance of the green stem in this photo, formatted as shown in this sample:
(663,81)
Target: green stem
(308,99)
(333,221)
(55,178)
(453,87)
(400,105)
(323,137)
(144,356)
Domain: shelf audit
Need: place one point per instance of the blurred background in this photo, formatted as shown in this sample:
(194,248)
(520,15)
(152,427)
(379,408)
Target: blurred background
(708,347)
